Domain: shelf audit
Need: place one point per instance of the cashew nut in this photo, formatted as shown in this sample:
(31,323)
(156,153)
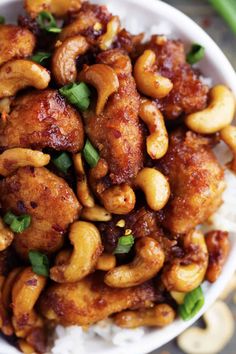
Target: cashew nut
(5,321)
(158,316)
(228,135)
(18,74)
(155,187)
(119,199)
(211,339)
(8,285)
(157,142)
(83,192)
(148,261)
(86,240)
(186,274)
(6,236)
(96,213)
(64,59)
(218,114)
(58,8)
(12,159)
(104,79)
(105,41)
(25,347)
(106,262)
(147,80)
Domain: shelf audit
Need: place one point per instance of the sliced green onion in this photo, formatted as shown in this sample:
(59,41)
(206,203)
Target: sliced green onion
(39,263)
(193,302)
(227,9)
(90,154)
(2,20)
(196,54)
(40,57)
(125,244)
(77,94)
(63,162)
(47,22)
(17,224)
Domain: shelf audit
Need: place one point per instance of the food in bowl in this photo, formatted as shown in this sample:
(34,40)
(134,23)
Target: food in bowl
(126,130)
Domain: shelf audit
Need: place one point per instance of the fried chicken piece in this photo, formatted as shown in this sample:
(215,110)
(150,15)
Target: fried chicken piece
(188,94)
(196,180)
(116,132)
(50,202)
(15,43)
(42,119)
(90,300)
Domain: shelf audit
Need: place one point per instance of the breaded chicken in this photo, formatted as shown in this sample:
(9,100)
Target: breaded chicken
(188,94)
(15,43)
(42,119)
(116,132)
(90,300)
(196,179)
(50,202)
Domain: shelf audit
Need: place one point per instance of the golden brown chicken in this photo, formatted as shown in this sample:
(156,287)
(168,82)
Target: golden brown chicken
(42,119)
(196,179)
(90,300)
(50,202)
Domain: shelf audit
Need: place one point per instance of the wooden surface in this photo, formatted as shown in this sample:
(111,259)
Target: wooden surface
(201,12)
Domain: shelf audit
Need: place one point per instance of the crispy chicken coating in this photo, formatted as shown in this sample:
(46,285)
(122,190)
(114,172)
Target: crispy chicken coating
(196,179)
(116,132)
(90,300)
(42,119)
(50,202)
(15,43)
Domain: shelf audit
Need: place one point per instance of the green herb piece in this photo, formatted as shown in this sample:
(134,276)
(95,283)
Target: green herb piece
(77,94)
(227,9)
(193,302)
(39,262)
(40,57)
(2,20)
(47,22)
(90,154)
(63,162)
(17,224)
(125,244)
(196,54)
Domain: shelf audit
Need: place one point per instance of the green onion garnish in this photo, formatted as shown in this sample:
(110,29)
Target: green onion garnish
(196,54)
(2,20)
(40,57)
(227,9)
(17,224)
(193,302)
(47,22)
(125,244)
(39,262)
(63,162)
(90,154)
(77,94)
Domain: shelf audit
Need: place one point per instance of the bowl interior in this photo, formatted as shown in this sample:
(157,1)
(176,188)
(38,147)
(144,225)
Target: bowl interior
(215,65)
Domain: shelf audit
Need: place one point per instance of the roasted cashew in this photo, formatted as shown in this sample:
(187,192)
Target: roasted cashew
(186,274)
(106,262)
(119,199)
(86,240)
(19,74)
(105,41)
(12,159)
(104,79)
(25,347)
(83,192)
(6,236)
(58,8)
(159,316)
(218,247)
(8,285)
(5,321)
(155,187)
(157,142)
(148,261)
(218,114)
(147,80)
(64,59)
(228,135)
(95,213)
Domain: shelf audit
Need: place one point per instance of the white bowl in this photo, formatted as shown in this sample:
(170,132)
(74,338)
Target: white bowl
(214,65)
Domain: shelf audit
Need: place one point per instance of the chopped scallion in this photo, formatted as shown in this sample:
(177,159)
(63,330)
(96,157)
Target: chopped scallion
(17,224)
(125,244)
(77,94)
(63,162)
(227,9)
(193,302)
(39,262)
(40,57)
(196,54)
(90,154)
(47,22)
